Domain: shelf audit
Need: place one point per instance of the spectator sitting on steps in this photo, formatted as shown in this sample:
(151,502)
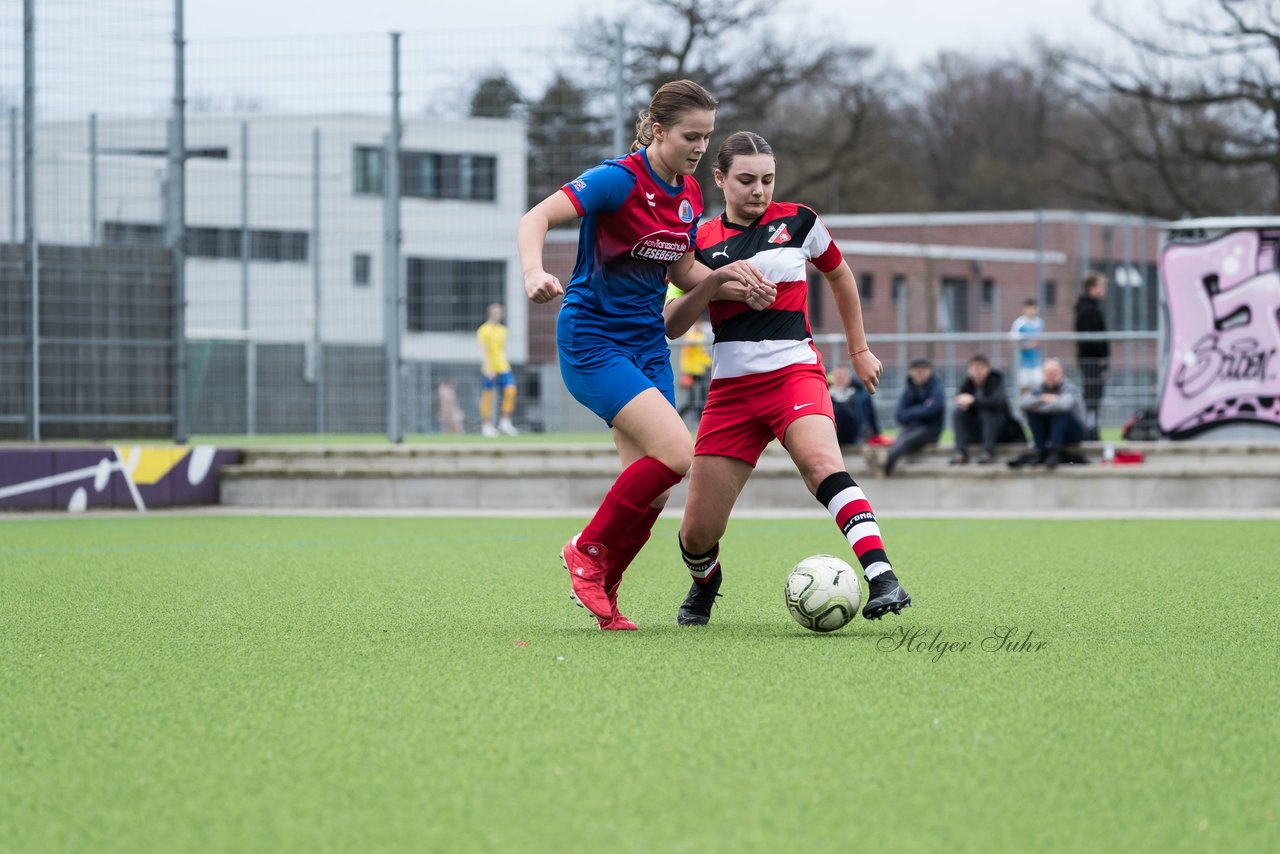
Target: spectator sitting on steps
(921,411)
(856,418)
(1055,414)
(982,412)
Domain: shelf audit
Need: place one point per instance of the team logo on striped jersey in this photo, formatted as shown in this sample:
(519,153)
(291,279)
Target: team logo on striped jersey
(686,211)
(781,235)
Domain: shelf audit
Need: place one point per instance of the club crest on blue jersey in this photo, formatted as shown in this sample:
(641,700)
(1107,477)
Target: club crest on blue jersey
(686,211)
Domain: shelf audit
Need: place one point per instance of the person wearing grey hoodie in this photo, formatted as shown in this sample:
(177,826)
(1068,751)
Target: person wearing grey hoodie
(1055,413)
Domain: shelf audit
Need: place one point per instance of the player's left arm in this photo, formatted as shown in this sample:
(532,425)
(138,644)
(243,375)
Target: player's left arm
(844,287)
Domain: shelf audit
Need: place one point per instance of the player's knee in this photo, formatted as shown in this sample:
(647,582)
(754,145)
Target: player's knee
(815,471)
(700,538)
(677,456)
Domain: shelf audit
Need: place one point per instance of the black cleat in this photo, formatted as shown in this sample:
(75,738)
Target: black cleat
(886,596)
(696,610)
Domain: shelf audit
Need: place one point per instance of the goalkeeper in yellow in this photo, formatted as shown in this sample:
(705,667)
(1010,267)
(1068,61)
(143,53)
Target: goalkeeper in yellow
(492,336)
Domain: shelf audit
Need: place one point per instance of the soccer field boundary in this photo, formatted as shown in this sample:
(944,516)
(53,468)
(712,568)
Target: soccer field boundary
(1064,514)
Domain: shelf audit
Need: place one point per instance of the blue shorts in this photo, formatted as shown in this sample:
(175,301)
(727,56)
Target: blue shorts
(501,380)
(604,379)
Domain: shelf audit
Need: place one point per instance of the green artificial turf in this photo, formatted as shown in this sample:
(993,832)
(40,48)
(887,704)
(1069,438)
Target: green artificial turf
(339,684)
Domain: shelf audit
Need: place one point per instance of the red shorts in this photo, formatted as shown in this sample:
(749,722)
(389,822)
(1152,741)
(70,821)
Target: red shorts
(744,414)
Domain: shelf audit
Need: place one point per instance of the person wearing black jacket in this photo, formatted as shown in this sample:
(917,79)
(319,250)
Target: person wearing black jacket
(982,411)
(1093,357)
(921,411)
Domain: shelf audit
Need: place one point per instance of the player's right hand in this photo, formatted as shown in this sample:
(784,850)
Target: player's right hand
(758,292)
(541,286)
(761,296)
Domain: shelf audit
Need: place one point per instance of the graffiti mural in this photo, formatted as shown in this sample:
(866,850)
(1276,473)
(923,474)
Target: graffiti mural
(1223,298)
(140,477)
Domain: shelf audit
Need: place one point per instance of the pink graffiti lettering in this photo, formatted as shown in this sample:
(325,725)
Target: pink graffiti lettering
(1223,297)
(1245,361)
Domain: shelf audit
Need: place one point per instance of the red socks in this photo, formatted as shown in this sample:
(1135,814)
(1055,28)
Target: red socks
(627,503)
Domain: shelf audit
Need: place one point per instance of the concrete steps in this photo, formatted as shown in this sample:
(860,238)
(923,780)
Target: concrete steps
(574,478)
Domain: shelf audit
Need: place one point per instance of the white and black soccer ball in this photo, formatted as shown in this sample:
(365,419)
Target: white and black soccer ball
(823,593)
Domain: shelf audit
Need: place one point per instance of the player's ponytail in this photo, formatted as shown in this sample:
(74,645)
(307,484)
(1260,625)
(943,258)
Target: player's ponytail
(670,102)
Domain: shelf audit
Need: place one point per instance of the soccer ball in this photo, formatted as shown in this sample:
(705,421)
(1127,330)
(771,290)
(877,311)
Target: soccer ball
(823,593)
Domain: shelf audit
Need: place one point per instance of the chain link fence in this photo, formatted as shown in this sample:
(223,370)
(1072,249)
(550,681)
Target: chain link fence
(302,235)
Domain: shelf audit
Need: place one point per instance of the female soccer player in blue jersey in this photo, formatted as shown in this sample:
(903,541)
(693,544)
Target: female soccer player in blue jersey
(639,220)
(767,378)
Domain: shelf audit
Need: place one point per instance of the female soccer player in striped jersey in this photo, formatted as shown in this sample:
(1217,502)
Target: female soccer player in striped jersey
(639,221)
(767,379)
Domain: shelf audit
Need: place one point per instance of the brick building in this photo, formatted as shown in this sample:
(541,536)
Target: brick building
(975,268)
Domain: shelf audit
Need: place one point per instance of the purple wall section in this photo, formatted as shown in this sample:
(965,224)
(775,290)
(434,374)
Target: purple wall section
(83,478)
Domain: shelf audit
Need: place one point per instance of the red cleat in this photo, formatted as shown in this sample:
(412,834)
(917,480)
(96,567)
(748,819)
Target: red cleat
(586,577)
(618,622)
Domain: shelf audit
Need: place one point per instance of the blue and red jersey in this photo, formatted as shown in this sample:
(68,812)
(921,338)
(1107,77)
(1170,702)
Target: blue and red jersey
(634,225)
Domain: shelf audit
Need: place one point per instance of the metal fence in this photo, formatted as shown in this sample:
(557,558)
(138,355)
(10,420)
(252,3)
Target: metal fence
(301,235)
(331,217)
(1133,370)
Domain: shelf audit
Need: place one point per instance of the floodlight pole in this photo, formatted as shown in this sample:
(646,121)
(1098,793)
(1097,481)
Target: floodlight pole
(178,223)
(317,336)
(29,206)
(620,91)
(391,243)
(246,238)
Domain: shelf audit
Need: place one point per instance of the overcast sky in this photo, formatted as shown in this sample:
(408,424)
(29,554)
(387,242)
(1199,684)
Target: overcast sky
(909,30)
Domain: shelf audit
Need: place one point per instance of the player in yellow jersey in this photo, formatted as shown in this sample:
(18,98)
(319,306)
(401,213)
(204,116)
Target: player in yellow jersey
(695,366)
(492,336)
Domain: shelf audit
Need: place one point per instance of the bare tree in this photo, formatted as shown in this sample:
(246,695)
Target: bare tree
(1189,122)
(981,131)
(812,96)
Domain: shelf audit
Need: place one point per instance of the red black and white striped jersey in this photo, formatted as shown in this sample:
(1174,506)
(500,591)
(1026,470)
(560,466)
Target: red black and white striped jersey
(781,242)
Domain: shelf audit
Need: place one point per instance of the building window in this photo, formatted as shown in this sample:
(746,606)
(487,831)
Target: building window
(419,174)
(367,169)
(430,175)
(361,269)
(264,245)
(899,289)
(866,285)
(203,242)
(132,234)
(212,242)
(988,292)
(450,295)
(482,177)
(293,245)
(1050,296)
(953,315)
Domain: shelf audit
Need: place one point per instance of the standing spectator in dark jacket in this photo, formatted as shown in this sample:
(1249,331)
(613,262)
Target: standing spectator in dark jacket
(1093,357)
(921,411)
(982,411)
